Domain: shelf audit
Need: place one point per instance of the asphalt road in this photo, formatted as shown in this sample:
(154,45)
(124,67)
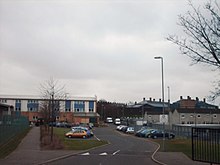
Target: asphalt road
(123,149)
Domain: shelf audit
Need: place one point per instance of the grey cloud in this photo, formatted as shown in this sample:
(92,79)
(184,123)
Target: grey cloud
(105,48)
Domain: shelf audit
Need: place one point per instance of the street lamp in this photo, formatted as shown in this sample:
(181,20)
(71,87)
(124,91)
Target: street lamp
(163,117)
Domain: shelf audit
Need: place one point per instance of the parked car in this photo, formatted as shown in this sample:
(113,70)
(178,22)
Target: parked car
(117,121)
(160,134)
(120,127)
(144,132)
(130,130)
(124,129)
(63,124)
(78,133)
(109,120)
(90,133)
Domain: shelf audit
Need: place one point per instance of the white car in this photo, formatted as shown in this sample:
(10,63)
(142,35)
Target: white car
(109,120)
(117,121)
(120,127)
(130,130)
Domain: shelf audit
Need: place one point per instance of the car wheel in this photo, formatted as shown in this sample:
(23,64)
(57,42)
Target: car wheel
(154,136)
(84,137)
(69,136)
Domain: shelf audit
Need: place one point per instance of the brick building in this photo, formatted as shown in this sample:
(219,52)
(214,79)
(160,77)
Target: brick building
(72,110)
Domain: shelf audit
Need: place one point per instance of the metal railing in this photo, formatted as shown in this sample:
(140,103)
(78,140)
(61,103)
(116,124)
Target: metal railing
(10,126)
(206,145)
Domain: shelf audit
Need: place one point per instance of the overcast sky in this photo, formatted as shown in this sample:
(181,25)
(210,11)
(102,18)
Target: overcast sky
(102,47)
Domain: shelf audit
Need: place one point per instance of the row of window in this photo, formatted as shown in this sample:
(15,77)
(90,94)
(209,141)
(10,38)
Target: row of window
(204,122)
(29,101)
(33,109)
(79,110)
(199,116)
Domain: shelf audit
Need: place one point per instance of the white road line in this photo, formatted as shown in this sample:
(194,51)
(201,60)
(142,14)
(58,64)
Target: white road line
(116,152)
(103,154)
(87,153)
(97,138)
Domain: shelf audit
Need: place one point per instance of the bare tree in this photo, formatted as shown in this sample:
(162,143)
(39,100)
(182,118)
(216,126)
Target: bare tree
(202,36)
(52,92)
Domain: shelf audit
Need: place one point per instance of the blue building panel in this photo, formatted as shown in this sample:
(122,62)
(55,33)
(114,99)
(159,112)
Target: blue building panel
(68,104)
(91,105)
(32,106)
(79,106)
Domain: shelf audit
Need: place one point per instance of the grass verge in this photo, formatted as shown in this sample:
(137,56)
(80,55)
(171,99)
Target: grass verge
(12,143)
(176,145)
(77,144)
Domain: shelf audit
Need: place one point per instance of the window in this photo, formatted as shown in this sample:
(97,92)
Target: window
(91,106)
(214,115)
(18,108)
(3,101)
(18,101)
(149,116)
(35,117)
(191,116)
(79,106)
(182,116)
(198,115)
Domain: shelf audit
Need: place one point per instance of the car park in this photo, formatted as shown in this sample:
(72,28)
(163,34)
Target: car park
(161,134)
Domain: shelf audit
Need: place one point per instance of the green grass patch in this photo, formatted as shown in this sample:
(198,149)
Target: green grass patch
(76,143)
(12,143)
(176,145)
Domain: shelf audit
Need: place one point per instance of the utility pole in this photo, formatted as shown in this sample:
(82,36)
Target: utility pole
(163,116)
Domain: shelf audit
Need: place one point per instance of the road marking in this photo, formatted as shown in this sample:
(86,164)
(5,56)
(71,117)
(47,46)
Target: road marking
(103,154)
(87,153)
(116,152)
(97,138)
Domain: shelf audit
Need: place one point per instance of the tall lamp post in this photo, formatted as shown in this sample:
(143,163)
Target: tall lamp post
(163,116)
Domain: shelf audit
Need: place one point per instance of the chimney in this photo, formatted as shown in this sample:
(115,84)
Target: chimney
(144,99)
(153,99)
(204,100)
(181,97)
(159,100)
(188,97)
(197,99)
(150,99)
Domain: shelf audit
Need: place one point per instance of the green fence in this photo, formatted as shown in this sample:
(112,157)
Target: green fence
(10,126)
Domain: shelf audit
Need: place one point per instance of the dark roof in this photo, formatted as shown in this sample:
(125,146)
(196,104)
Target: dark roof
(198,105)
(155,104)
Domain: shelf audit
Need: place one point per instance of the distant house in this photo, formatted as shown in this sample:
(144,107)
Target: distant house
(190,111)
(151,110)
(73,110)
(183,111)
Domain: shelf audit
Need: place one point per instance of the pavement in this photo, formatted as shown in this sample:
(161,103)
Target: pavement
(29,152)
